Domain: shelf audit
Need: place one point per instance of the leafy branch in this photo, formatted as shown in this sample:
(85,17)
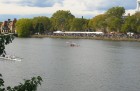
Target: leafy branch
(4,40)
(28,85)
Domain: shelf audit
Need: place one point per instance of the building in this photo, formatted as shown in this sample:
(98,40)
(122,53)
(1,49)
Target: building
(8,26)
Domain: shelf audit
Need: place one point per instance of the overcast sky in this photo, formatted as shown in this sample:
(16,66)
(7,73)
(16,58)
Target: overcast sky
(79,8)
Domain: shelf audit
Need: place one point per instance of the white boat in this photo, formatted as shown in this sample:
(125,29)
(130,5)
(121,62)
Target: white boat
(11,58)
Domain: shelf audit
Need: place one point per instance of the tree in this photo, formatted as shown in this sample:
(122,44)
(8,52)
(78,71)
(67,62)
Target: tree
(36,28)
(114,24)
(114,18)
(137,16)
(115,11)
(28,85)
(126,28)
(79,24)
(132,24)
(24,27)
(129,25)
(4,40)
(39,28)
(61,20)
(98,22)
(44,23)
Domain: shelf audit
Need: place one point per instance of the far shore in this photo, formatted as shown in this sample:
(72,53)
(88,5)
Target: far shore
(85,37)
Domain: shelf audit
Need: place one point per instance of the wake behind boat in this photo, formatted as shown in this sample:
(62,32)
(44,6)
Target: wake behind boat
(10,57)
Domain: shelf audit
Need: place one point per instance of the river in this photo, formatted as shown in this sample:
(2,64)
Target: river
(95,65)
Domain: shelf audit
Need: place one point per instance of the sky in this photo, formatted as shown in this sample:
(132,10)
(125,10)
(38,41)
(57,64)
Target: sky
(10,9)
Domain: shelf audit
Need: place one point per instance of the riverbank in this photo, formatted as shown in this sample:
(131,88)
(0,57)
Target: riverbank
(86,37)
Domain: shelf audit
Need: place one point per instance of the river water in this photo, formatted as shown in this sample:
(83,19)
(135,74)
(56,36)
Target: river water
(95,65)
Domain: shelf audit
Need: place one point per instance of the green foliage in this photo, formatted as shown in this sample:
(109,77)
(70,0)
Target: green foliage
(98,22)
(61,20)
(125,28)
(39,28)
(79,24)
(116,11)
(28,85)
(132,24)
(41,24)
(114,23)
(114,18)
(24,27)
(138,29)
(129,25)
(1,83)
(110,21)
(137,22)
(4,40)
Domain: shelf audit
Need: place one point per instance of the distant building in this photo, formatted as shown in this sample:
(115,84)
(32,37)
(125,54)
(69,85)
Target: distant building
(8,26)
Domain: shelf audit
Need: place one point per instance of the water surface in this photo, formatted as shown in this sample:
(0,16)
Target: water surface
(95,65)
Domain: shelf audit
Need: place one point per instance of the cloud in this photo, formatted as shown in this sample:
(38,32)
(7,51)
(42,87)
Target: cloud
(86,8)
(32,3)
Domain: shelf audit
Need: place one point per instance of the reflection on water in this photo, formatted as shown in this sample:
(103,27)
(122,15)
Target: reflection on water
(94,65)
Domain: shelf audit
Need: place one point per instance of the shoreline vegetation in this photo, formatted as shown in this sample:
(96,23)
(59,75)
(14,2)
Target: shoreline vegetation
(86,37)
(114,24)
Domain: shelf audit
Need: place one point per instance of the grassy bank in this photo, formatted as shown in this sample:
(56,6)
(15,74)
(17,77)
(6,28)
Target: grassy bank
(78,37)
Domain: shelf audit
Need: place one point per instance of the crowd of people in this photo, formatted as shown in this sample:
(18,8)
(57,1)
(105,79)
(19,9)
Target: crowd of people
(105,35)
